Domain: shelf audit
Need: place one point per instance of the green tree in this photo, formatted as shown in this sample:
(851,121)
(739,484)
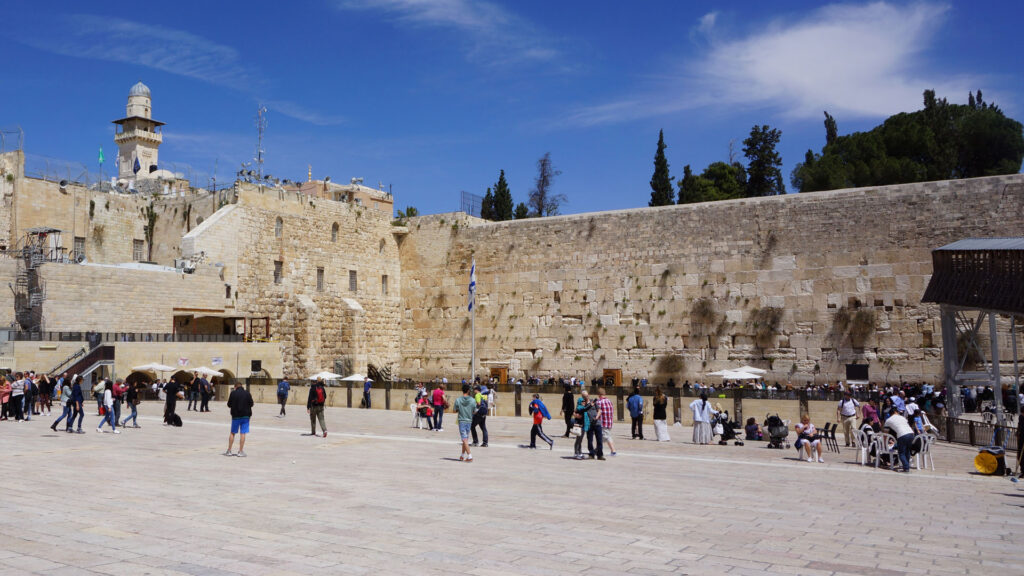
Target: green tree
(409,212)
(542,201)
(503,208)
(764,178)
(662,193)
(522,211)
(719,181)
(831,130)
(941,141)
(487,206)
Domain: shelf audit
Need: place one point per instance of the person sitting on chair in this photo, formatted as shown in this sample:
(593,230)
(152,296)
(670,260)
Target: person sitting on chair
(807,438)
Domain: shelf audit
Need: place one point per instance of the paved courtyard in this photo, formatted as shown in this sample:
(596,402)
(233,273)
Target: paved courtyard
(379,497)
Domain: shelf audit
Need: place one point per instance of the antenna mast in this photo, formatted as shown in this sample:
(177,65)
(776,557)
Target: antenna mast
(261,127)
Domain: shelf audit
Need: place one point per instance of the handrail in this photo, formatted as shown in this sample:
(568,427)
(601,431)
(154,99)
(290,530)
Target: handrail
(80,352)
(95,356)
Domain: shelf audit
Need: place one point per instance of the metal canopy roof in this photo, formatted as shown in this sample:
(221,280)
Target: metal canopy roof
(986,244)
(980,273)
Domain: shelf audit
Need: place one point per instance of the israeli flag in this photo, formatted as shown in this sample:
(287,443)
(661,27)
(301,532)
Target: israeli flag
(472,286)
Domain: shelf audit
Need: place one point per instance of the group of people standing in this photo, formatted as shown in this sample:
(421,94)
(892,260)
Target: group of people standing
(24,394)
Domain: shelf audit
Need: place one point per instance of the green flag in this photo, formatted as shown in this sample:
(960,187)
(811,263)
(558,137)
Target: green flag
(101,154)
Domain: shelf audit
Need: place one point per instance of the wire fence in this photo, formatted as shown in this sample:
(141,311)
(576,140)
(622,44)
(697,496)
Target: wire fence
(57,169)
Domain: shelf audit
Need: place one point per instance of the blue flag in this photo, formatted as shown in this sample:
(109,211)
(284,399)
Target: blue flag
(137,166)
(472,286)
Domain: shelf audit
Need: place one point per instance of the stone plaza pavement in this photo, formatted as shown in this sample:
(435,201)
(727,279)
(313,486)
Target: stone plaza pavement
(379,497)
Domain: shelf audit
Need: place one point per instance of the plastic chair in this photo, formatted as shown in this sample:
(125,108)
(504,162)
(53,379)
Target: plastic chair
(863,445)
(885,444)
(923,443)
(833,443)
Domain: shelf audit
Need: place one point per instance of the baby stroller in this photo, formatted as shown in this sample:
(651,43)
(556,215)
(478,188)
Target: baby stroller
(725,429)
(778,432)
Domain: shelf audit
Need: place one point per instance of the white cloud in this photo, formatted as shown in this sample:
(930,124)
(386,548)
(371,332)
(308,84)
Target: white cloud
(707,23)
(299,112)
(165,49)
(493,34)
(853,60)
(120,40)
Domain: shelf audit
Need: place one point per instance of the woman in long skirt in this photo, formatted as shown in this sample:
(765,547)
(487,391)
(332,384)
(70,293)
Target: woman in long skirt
(702,414)
(660,408)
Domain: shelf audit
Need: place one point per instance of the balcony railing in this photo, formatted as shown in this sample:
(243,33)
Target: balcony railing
(143,134)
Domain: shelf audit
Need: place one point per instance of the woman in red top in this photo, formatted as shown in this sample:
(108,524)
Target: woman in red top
(438,400)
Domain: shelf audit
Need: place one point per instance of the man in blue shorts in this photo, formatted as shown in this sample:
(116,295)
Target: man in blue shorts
(465,405)
(240,402)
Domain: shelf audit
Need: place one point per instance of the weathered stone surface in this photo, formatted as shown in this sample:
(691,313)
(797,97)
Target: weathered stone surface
(616,289)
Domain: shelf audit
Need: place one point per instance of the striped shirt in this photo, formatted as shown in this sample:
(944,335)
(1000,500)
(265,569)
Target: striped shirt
(607,412)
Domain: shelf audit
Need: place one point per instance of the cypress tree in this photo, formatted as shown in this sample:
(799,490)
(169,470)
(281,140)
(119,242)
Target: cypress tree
(487,206)
(662,193)
(502,206)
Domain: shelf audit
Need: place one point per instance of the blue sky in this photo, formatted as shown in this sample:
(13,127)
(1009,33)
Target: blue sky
(433,97)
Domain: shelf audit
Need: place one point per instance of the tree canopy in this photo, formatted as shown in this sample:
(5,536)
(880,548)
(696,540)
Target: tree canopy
(487,206)
(764,178)
(502,205)
(942,141)
(542,201)
(662,193)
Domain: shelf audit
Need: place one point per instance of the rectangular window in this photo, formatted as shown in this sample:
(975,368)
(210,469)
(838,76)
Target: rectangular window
(319,279)
(384,285)
(352,284)
(79,249)
(278,271)
(138,250)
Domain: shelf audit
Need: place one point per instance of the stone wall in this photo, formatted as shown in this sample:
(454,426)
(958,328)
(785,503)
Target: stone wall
(113,299)
(8,271)
(109,222)
(799,284)
(317,327)
(235,356)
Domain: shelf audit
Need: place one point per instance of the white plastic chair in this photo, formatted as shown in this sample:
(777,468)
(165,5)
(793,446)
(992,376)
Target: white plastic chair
(924,453)
(415,416)
(885,444)
(863,445)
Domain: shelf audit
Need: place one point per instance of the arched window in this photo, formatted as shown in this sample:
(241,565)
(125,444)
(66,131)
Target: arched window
(334,232)
(278,227)
(382,244)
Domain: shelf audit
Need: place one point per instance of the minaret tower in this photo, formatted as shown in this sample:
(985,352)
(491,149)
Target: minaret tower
(138,136)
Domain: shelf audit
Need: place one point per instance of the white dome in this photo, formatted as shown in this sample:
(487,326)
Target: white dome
(139,89)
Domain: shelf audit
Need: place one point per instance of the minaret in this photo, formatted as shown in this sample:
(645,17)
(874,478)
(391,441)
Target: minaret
(138,136)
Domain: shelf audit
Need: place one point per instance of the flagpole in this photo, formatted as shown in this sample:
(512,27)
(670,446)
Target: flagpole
(472,320)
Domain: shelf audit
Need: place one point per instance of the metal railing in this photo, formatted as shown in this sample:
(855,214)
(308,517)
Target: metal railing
(975,433)
(94,338)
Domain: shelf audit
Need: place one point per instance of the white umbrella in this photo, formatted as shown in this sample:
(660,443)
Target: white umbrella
(735,375)
(751,370)
(357,377)
(206,371)
(325,375)
(154,367)
(740,375)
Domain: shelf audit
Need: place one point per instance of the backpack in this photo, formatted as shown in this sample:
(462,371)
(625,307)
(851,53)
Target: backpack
(594,413)
(321,396)
(481,409)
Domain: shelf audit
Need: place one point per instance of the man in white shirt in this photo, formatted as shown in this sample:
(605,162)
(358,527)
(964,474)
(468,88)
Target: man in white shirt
(904,437)
(846,412)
